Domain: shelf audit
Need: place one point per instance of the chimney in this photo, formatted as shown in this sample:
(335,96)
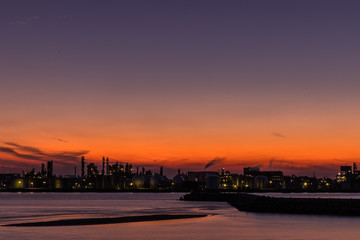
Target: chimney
(42,169)
(50,169)
(355,167)
(103,166)
(82,166)
(107,166)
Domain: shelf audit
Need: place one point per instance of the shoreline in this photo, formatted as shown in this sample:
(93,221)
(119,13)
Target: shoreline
(44,190)
(107,220)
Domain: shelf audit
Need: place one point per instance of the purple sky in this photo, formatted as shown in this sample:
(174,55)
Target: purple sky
(148,80)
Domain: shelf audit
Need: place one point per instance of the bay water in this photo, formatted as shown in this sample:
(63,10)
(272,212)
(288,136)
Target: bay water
(223,221)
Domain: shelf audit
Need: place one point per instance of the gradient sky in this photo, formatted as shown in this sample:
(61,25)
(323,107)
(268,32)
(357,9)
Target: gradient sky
(179,83)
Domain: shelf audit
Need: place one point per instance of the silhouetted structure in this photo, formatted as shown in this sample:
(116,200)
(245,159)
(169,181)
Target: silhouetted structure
(119,176)
(82,166)
(103,166)
(50,169)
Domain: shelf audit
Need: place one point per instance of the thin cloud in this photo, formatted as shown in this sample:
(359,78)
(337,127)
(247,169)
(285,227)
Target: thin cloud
(26,148)
(33,18)
(16,154)
(61,140)
(276,134)
(27,21)
(13,166)
(34,153)
(19,22)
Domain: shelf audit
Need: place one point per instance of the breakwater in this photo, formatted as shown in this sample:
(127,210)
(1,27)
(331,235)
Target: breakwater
(263,204)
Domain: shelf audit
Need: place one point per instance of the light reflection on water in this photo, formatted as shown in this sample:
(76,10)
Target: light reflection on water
(224,221)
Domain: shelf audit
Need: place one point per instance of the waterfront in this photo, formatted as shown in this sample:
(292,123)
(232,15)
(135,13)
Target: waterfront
(223,222)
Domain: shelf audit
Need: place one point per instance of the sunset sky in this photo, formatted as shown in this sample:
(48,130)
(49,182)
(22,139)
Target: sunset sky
(180,83)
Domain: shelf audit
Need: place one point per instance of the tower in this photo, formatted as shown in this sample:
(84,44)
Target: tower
(126,169)
(50,166)
(43,169)
(82,166)
(161,171)
(355,167)
(103,166)
(107,166)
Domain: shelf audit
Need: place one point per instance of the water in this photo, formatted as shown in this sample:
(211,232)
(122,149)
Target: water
(223,222)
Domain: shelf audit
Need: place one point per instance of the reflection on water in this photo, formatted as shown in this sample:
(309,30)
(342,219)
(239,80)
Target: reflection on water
(225,222)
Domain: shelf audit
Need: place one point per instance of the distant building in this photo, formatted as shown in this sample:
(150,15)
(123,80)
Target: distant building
(261,180)
(348,179)
(200,176)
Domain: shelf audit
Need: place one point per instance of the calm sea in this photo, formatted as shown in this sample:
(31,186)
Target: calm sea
(223,222)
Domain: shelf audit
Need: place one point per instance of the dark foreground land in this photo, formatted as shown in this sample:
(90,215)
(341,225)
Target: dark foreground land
(262,204)
(97,221)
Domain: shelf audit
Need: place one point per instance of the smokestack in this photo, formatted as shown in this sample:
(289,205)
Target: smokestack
(179,171)
(107,166)
(137,170)
(161,171)
(355,167)
(75,171)
(43,169)
(50,169)
(82,166)
(103,166)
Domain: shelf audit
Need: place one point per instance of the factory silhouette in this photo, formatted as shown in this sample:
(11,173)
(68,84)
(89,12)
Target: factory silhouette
(122,177)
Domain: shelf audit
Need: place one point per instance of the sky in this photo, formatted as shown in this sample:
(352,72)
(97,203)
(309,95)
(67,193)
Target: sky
(180,83)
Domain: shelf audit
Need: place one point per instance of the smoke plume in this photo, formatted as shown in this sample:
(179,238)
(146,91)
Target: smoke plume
(215,161)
